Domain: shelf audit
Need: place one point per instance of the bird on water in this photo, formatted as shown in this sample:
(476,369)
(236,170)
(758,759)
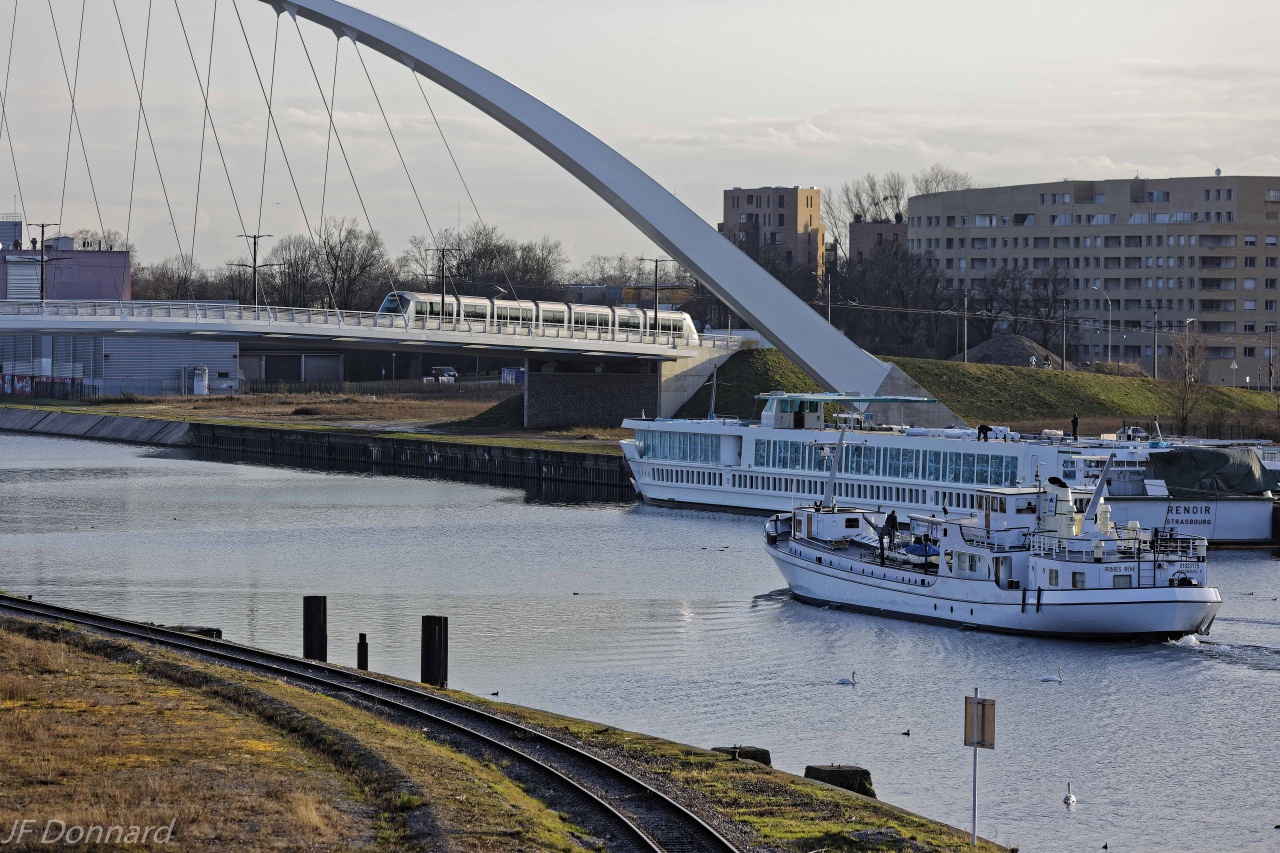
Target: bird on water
(907,733)
(1070,798)
(1053,678)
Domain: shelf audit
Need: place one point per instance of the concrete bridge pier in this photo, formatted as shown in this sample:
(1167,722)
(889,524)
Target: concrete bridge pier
(579,392)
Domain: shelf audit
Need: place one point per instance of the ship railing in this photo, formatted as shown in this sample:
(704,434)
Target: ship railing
(1010,539)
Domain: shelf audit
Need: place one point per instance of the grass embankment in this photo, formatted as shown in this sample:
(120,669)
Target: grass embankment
(993,393)
(106,732)
(103,732)
(744,375)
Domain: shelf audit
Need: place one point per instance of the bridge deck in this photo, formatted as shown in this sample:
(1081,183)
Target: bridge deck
(341,329)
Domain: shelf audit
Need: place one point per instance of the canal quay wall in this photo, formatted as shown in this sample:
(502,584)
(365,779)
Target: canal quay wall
(323,449)
(51,422)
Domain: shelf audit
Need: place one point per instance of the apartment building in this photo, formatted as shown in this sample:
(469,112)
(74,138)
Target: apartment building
(865,237)
(1144,258)
(783,224)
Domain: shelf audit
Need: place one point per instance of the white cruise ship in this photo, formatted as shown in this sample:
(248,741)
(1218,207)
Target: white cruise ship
(777,463)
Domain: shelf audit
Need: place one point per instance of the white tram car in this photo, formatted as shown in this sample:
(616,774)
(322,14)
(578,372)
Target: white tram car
(549,315)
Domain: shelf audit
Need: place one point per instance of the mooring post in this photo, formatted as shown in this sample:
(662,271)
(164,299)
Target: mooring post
(362,653)
(315,627)
(435,651)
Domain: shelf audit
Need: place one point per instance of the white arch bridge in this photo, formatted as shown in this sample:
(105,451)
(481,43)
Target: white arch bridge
(782,317)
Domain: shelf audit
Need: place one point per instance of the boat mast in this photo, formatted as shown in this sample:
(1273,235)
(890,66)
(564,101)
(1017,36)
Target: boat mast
(829,490)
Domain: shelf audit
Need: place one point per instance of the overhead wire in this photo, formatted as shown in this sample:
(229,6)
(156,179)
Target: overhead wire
(205,88)
(266,140)
(137,123)
(4,112)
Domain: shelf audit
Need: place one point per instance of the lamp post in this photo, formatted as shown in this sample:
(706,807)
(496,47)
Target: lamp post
(656,262)
(255,265)
(1233,372)
(1155,346)
(1109,324)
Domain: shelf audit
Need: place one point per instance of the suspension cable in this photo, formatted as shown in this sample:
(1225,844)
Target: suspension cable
(336,135)
(417,78)
(396,143)
(205,88)
(266,139)
(271,120)
(4,114)
(146,122)
(137,123)
(206,92)
(75,117)
(328,142)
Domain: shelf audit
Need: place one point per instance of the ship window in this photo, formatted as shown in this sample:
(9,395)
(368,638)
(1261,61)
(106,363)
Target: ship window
(967,476)
(935,465)
(953,467)
(1053,577)
(983,466)
(1122,581)
(1077,580)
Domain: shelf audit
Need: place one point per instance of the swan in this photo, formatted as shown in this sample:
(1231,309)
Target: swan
(1054,678)
(853,680)
(1070,798)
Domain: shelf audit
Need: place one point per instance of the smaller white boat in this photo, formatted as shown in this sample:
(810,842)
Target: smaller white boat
(1025,562)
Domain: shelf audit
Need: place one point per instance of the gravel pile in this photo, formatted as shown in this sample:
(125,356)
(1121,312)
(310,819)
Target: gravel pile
(1012,351)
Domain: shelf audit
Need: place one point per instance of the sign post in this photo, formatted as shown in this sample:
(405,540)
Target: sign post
(979,731)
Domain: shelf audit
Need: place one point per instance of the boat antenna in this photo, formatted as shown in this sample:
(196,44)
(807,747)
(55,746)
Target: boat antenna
(829,490)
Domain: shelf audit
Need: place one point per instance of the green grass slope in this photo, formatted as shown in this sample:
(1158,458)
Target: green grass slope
(744,375)
(993,393)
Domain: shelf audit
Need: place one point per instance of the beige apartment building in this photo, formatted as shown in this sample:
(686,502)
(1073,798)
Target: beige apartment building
(780,223)
(1173,256)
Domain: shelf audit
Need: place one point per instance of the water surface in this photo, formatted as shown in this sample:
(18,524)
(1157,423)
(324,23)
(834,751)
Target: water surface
(678,628)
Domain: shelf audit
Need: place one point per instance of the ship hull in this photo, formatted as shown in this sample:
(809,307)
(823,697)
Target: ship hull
(1147,614)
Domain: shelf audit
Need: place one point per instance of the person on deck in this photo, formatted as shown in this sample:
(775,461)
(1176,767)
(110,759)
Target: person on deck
(1075,426)
(984,432)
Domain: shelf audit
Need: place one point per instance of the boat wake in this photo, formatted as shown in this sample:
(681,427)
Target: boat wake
(1262,658)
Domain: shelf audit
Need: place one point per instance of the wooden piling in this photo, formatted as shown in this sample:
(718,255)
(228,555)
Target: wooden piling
(362,653)
(315,627)
(435,651)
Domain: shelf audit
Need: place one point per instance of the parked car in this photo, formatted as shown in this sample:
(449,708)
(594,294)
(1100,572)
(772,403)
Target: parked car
(445,375)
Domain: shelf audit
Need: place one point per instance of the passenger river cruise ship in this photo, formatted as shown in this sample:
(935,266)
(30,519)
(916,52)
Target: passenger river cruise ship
(777,462)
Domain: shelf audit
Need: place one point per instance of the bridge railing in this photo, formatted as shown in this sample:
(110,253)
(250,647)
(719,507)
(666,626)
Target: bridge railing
(198,312)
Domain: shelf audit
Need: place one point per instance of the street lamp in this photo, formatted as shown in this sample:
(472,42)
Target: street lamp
(1109,323)
(1233,372)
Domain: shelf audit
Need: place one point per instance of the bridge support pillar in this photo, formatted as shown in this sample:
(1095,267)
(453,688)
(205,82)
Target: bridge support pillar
(604,393)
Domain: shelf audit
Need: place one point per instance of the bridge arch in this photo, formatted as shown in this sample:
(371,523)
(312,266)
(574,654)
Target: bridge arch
(791,325)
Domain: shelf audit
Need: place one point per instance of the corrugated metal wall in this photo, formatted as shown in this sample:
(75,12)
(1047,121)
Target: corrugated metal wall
(147,366)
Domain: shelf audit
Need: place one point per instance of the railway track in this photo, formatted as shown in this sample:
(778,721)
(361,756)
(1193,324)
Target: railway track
(625,812)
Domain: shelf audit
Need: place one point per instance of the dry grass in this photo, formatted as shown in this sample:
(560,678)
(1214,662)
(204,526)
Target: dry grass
(87,741)
(231,782)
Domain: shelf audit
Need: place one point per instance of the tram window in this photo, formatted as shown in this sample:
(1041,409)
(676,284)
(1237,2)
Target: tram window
(475,312)
(553,317)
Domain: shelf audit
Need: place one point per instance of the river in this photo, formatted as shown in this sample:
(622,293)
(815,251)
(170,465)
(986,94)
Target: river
(675,623)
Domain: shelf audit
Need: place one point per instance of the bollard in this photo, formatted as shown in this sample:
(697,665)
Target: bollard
(362,653)
(435,651)
(315,627)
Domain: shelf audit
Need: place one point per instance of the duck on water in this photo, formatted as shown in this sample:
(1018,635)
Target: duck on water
(1023,562)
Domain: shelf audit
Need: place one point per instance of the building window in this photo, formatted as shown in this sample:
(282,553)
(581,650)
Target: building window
(1251,262)
(1250,352)
(1251,239)
(782,219)
(782,201)
(1229,192)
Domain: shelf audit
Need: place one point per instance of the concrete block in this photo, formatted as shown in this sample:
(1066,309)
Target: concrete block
(140,430)
(750,753)
(847,776)
(173,434)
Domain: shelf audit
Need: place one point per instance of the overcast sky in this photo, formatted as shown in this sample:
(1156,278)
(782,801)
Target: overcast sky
(702,94)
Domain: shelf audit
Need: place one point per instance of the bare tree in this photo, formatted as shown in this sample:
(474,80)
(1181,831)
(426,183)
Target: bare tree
(871,198)
(355,263)
(899,294)
(1187,371)
(296,279)
(939,178)
(177,278)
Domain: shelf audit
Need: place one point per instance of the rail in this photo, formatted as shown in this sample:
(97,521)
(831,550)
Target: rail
(643,816)
(340,322)
(1012,539)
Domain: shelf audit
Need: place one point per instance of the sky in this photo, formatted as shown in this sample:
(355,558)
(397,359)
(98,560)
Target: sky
(702,94)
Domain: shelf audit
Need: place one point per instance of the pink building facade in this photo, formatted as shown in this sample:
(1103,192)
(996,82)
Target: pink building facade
(79,274)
